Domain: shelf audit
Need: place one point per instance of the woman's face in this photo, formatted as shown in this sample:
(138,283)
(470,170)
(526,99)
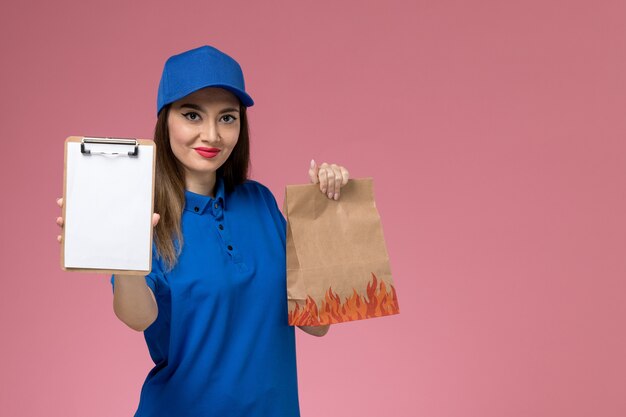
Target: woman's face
(204,129)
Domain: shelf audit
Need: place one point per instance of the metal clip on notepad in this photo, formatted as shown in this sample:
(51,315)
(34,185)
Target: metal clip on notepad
(107,141)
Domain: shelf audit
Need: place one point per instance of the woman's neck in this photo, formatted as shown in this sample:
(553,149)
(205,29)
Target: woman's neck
(204,185)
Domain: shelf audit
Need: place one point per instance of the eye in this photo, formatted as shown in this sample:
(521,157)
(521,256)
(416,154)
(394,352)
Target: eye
(231,120)
(192,115)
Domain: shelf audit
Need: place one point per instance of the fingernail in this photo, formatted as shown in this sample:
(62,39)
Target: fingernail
(336,196)
(312,163)
(330,195)
(323,190)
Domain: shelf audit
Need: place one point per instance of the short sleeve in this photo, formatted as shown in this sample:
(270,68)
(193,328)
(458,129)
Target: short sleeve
(155,278)
(275,212)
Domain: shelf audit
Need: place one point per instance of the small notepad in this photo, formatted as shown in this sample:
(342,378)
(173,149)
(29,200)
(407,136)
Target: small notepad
(108,205)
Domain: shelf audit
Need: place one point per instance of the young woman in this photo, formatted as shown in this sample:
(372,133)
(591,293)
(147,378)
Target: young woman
(214,307)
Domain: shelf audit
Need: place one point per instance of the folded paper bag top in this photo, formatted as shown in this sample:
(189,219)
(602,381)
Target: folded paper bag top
(337,262)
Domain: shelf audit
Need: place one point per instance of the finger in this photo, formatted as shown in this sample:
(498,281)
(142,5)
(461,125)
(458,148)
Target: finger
(155,219)
(330,174)
(338,180)
(60,201)
(346,175)
(59,238)
(313,169)
(60,221)
(323,177)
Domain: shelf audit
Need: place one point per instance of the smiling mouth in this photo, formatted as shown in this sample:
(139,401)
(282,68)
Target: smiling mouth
(205,152)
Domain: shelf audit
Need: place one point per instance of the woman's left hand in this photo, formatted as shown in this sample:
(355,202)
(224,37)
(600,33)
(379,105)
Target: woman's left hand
(331,178)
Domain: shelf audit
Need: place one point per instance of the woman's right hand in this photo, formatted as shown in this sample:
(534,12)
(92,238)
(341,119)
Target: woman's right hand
(155,218)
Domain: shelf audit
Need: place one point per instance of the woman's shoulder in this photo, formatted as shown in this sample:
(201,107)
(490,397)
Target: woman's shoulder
(263,197)
(251,185)
(256,191)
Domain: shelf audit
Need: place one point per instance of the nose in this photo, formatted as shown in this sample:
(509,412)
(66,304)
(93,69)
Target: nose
(209,132)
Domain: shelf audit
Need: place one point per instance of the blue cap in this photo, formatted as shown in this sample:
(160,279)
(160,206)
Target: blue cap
(198,68)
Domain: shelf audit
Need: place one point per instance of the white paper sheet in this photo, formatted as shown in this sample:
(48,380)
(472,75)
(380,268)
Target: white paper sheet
(108,208)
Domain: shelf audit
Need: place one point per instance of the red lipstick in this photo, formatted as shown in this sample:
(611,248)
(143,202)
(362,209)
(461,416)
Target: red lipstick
(207,152)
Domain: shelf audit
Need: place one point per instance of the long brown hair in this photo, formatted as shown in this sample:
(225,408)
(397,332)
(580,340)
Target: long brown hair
(169,198)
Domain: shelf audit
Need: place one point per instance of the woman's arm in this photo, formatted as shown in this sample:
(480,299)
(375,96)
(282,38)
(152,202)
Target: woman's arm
(134,302)
(318,331)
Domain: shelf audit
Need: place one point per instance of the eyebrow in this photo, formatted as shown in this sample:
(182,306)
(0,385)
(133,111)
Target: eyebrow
(196,107)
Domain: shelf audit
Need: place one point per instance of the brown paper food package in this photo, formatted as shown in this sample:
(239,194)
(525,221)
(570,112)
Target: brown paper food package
(337,262)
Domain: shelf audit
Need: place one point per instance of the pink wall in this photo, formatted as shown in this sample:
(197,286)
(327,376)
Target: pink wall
(495,134)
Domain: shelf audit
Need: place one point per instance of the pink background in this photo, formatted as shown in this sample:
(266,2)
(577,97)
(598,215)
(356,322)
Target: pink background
(495,134)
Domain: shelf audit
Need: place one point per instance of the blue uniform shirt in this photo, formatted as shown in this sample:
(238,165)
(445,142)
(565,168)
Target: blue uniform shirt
(221,343)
